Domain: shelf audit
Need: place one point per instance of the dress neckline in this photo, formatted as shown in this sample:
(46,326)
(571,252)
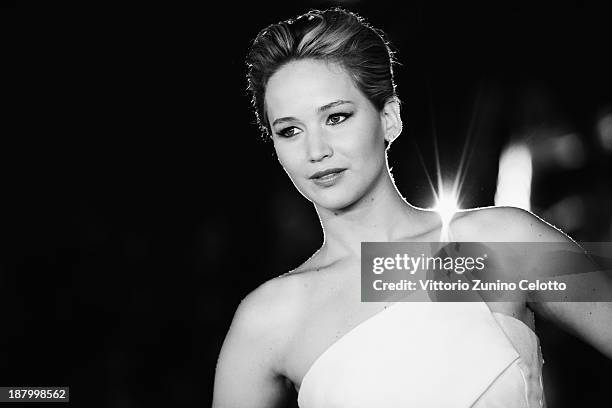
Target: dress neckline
(378,314)
(344,336)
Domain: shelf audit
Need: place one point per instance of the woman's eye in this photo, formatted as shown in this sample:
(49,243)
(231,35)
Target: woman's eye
(288,132)
(337,118)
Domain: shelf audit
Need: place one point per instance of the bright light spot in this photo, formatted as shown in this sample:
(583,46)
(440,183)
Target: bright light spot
(514,177)
(446,206)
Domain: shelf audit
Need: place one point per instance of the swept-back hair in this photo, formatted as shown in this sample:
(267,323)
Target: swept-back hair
(334,35)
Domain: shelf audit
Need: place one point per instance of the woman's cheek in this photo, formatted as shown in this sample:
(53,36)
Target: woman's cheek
(290,163)
(284,156)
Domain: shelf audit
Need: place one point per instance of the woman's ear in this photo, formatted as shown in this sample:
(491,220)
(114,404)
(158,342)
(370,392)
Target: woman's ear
(392,121)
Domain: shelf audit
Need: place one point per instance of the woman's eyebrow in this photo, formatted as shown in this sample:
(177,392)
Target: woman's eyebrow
(332,104)
(285,119)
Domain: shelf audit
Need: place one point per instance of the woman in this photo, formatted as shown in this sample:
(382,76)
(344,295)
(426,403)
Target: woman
(323,91)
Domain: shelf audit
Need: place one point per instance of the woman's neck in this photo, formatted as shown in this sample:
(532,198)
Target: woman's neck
(380,215)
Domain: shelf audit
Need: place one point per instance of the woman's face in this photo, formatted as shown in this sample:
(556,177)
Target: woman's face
(328,136)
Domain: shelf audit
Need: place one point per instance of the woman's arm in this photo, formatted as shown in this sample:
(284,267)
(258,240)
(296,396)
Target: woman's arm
(590,321)
(248,367)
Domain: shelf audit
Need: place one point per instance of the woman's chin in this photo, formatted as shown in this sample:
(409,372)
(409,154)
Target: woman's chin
(332,202)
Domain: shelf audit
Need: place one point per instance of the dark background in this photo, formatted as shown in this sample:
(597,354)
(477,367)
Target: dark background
(141,204)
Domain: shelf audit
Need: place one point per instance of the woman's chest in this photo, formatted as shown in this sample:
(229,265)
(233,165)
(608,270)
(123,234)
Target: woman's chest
(324,327)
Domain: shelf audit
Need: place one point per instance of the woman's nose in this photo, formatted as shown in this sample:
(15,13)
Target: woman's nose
(318,147)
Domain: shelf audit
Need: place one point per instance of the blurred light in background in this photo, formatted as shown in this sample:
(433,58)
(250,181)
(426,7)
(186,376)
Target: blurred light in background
(604,131)
(558,150)
(568,150)
(567,214)
(514,177)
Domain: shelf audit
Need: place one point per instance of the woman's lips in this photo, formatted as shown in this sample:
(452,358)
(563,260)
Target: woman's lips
(327,178)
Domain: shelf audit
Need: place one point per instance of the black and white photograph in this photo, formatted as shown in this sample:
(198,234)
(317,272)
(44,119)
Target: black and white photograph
(309,204)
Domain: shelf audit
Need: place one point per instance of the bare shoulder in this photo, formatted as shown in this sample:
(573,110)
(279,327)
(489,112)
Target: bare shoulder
(262,328)
(270,309)
(504,224)
(251,369)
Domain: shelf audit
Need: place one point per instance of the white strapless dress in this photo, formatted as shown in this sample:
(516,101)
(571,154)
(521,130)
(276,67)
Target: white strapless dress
(429,354)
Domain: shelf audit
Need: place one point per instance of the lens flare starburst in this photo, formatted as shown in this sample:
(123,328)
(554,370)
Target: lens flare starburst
(447,196)
(446,206)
